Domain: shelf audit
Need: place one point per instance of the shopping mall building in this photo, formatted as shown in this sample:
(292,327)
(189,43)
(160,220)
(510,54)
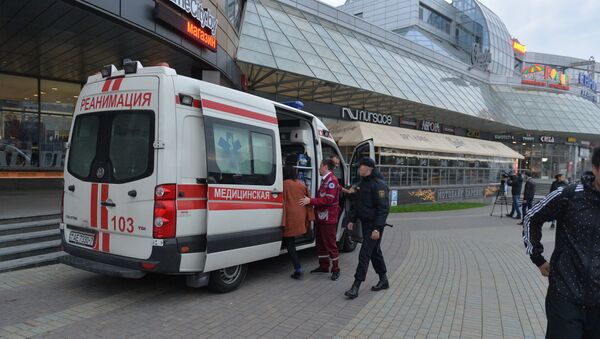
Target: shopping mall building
(449,96)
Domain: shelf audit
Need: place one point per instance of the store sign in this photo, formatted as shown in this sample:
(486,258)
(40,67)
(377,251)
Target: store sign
(547,139)
(585,143)
(504,137)
(431,126)
(528,138)
(449,130)
(473,133)
(201,14)
(408,122)
(201,30)
(480,59)
(572,140)
(366,116)
(544,76)
(587,81)
(518,48)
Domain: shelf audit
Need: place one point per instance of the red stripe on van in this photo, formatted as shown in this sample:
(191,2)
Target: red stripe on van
(238,111)
(117,84)
(106,85)
(196,103)
(94,206)
(106,242)
(192,191)
(185,205)
(177,100)
(232,206)
(103,209)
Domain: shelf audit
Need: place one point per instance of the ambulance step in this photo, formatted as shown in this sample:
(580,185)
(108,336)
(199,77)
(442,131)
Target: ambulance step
(28,250)
(28,226)
(101,268)
(38,260)
(29,237)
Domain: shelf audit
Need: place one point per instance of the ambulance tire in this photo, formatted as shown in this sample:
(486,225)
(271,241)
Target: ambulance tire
(227,279)
(348,244)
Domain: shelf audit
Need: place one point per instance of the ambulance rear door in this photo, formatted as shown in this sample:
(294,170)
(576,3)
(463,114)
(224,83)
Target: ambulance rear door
(110,172)
(245,185)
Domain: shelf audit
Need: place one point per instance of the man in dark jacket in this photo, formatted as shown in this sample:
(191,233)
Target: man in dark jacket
(528,194)
(370,205)
(516,182)
(573,298)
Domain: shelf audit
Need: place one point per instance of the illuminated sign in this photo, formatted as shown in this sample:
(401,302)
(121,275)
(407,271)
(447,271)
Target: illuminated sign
(547,139)
(202,15)
(473,133)
(520,49)
(528,138)
(545,76)
(193,29)
(503,137)
(431,126)
(362,115)
(572,140)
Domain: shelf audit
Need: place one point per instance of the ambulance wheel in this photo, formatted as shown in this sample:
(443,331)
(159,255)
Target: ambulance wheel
(348,245)
(227,279)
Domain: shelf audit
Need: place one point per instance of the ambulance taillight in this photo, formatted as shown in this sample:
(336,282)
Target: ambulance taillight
(165,212)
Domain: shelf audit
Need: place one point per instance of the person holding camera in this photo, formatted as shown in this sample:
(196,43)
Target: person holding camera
(516,183)
(528,194)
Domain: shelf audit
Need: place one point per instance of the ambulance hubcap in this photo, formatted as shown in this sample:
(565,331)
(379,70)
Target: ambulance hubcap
(230,274)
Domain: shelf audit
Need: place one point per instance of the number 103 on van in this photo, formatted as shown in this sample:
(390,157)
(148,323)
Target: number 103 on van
(122,224)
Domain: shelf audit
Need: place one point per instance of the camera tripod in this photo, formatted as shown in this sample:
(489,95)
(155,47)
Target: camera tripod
(501,200)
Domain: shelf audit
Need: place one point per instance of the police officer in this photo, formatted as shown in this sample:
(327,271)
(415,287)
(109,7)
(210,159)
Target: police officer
(370,205)
(327,209)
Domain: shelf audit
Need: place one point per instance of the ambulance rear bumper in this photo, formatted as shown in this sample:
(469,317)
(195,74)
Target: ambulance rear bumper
(101,268)
(165,259)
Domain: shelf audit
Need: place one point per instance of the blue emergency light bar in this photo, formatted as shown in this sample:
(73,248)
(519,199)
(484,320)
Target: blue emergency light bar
(295,104)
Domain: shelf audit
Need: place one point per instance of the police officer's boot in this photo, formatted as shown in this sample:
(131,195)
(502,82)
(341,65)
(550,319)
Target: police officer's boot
(353,291)
(383,283)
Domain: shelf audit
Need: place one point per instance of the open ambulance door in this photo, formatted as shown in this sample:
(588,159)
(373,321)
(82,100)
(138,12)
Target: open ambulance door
(363,149)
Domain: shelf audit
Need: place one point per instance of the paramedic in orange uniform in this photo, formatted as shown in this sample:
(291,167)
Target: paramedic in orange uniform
(327,209)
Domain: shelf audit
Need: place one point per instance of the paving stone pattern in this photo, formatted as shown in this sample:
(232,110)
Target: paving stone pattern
(457,274)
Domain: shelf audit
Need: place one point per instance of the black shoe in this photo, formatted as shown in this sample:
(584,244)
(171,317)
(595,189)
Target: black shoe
(335,275)
(383,284)
(353,291)
(320,270)
(508,215)
(297,275)
(520,223)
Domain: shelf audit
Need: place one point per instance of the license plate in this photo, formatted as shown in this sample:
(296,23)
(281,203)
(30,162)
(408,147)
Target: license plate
(82,238)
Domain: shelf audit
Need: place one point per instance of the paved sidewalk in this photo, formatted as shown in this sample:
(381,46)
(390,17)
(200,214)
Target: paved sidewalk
(460,274)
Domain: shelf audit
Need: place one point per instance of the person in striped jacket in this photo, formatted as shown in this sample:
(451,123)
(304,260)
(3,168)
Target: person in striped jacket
(573,297)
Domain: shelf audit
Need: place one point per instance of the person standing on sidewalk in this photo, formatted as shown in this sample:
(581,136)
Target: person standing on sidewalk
(573,297)
(528,194)
(559,181)
(296,218)
(327,209)
(516,183)
(371,206)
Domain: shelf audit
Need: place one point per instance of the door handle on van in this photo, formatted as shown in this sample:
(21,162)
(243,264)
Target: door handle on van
(108,203)
(132,193)
(71,188)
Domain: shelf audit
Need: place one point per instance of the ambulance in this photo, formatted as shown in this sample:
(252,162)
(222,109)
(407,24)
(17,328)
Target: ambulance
(173,175)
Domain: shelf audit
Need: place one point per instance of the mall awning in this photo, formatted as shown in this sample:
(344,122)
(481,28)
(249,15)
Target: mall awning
(350,133)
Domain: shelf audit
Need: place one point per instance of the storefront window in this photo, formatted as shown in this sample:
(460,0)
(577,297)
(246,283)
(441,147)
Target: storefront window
(30,140)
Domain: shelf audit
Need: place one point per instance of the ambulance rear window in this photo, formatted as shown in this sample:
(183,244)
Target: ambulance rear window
(112,147)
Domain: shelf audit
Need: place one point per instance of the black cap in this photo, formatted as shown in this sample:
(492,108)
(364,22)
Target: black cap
(367,162)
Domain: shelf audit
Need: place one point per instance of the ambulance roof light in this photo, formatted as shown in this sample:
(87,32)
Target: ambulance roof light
(130,66)
(295,104)
(108,70)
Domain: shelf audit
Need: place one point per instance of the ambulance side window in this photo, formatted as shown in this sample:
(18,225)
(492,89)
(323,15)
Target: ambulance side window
(239,154)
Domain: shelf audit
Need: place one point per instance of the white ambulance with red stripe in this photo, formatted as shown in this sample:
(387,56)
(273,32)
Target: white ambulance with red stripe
(173,175)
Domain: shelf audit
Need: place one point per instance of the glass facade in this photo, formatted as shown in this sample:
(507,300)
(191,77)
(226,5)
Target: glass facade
(434,19)
(233,10)
(35,117)
(547,160)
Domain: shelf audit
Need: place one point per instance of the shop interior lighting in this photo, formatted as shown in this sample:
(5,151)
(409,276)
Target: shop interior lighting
(42,93)
(54,89)
(108,70)
(544,159)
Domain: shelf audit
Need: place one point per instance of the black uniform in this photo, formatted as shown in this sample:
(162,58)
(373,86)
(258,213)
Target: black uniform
(370,205)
